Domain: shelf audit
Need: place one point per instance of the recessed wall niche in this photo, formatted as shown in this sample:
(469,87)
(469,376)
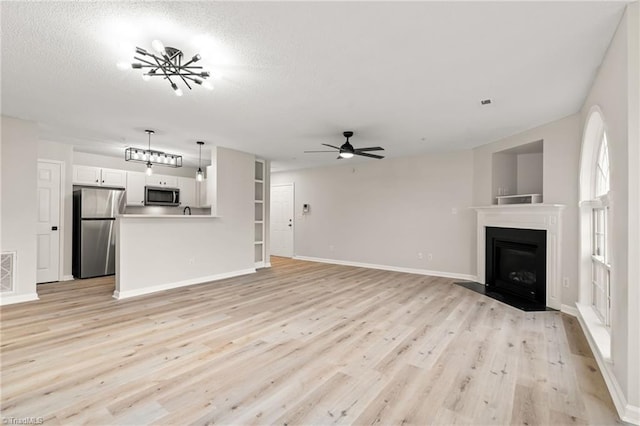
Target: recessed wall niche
(517,174)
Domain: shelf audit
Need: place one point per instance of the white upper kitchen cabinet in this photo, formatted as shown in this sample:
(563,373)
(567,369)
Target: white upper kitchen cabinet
(135,188)
(162,180)
(187,188)
(85,175)
(97,176)
(113,177)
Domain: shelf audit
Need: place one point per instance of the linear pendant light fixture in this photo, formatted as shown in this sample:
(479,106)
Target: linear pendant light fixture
(151,157)
(199,174)
(168,64)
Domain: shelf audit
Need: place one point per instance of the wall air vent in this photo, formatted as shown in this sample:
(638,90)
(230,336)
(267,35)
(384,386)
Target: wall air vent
(7,271)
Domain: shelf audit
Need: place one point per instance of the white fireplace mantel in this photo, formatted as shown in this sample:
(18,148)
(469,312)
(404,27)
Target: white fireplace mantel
(547,217)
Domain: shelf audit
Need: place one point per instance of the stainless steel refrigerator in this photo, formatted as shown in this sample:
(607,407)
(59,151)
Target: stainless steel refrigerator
(94,233)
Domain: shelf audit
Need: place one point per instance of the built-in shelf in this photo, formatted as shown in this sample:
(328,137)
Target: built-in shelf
(259,253)
(517,175)
(519,199)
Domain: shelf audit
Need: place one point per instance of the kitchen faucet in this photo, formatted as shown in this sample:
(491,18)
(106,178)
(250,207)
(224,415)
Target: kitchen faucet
(184,212)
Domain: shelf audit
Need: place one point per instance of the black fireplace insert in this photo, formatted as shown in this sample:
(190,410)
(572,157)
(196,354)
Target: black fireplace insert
(516,263)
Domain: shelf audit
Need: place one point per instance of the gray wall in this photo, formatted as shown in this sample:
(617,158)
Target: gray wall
(19,201)
(386,212)
(615,91)
(530,180)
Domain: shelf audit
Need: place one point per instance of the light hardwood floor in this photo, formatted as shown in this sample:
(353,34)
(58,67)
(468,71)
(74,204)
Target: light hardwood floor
(300,343)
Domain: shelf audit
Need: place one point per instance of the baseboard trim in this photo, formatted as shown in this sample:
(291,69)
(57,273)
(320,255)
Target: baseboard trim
(389,268)
(168,286)
(569,310)
(627,412)
(67,278)
(10,299)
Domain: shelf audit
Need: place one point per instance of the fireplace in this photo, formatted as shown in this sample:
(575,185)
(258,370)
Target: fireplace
(516,263)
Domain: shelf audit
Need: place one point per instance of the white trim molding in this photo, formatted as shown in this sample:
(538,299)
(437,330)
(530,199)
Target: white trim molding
(7,298)
(168,286)
(569,310)
(601,347)
(67,278)
(546,217)
(416,271)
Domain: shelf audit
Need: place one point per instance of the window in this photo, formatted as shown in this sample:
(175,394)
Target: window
(600,262)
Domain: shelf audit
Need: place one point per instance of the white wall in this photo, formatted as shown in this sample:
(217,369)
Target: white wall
(159,253)
(615,91)
(561,141)
(529,179)
(19,206)
(386,212)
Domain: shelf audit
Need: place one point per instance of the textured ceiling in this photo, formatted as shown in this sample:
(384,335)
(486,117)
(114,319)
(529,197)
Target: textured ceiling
(292,75)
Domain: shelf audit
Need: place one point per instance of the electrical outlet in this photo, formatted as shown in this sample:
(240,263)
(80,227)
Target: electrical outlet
(565,282)
(454,211)
(430,256)
(420,255)
(192,261)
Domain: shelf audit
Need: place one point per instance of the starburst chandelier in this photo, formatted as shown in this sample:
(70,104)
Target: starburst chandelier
(168,64)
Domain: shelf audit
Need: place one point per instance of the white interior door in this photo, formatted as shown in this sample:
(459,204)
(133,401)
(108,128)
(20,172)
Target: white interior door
(48,224)
(282,220)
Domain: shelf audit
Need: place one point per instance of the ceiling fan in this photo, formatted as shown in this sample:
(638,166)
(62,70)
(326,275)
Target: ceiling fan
(347,150)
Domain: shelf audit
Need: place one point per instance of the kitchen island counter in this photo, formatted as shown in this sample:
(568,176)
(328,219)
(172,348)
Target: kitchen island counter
(168,216)
(161,252)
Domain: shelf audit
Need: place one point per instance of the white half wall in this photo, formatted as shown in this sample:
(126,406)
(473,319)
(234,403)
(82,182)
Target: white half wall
(159,253)
(394,212)
(19,204)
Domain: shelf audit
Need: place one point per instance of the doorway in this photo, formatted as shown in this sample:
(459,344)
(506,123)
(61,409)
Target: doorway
(48,222)
(282,224)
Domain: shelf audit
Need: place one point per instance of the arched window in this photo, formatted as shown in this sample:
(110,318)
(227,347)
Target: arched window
(595,220)
(602,168)
(600,253)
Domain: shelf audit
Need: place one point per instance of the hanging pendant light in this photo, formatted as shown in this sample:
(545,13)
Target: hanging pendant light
(150,157)
(199,174)
(149,170)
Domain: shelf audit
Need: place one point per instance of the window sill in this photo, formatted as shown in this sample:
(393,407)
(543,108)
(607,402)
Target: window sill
(596,331)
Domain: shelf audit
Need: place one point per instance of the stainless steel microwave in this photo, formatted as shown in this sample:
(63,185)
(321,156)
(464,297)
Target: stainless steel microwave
(161,196)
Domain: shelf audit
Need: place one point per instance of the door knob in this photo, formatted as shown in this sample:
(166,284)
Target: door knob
(54,228)
(289,225)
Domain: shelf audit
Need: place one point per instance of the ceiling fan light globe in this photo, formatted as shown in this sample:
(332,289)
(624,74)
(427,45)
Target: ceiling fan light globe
(346,154)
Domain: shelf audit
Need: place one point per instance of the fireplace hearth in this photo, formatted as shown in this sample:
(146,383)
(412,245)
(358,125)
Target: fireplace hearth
(516,264)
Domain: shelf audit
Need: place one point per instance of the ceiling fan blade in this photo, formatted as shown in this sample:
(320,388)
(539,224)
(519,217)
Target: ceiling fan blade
(320,151)
(371,148)
(331,146)
(364,154)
